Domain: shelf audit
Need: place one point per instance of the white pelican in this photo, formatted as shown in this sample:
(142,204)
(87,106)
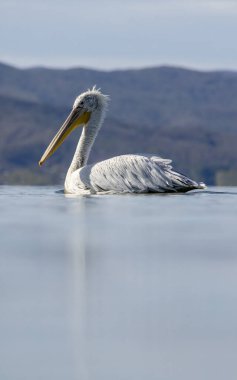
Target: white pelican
(132,173)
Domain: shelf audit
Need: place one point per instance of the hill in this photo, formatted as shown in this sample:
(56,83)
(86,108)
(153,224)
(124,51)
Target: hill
(186,115)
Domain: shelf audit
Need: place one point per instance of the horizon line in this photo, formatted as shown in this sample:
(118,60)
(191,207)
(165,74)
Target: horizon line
(128,68)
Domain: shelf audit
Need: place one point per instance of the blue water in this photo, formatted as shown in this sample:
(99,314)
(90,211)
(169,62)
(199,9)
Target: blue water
(113,287)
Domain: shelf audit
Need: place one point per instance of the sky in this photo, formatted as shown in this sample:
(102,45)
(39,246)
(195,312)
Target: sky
(119,34)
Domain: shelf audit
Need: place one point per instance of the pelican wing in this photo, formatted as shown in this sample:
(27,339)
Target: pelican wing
(132,173)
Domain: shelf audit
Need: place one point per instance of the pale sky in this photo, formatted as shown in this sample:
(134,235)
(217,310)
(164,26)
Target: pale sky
(119,33)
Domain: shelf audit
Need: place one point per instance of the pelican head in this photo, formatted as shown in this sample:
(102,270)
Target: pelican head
(84,107)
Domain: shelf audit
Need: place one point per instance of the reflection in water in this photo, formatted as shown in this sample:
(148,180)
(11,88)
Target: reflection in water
(77,292)
(118,287)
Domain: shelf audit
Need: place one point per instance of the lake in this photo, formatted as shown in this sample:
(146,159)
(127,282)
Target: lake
(118,287)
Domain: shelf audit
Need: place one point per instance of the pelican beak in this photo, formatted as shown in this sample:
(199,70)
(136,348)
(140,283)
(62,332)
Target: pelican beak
(77,117)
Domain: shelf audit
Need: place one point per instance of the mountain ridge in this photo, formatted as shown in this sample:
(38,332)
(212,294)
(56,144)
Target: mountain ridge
(182,114)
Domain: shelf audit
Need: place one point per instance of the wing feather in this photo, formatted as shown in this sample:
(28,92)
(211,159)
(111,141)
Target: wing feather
(132,173)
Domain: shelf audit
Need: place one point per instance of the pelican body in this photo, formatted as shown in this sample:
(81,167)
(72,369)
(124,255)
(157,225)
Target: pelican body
(132,173)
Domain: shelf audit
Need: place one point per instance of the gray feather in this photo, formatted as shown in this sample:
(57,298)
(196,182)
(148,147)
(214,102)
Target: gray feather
(132,173)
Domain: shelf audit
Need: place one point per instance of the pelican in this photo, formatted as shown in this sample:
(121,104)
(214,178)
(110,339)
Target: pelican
(130,173)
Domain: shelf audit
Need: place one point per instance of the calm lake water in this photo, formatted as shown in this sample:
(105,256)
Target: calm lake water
(132,287)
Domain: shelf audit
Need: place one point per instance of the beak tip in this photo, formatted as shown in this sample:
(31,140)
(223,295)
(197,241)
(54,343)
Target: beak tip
(40,163)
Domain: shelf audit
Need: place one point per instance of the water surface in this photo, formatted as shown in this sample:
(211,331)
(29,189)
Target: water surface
(114,287)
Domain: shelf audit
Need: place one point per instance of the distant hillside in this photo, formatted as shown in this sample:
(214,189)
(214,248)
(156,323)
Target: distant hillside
(185,115)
